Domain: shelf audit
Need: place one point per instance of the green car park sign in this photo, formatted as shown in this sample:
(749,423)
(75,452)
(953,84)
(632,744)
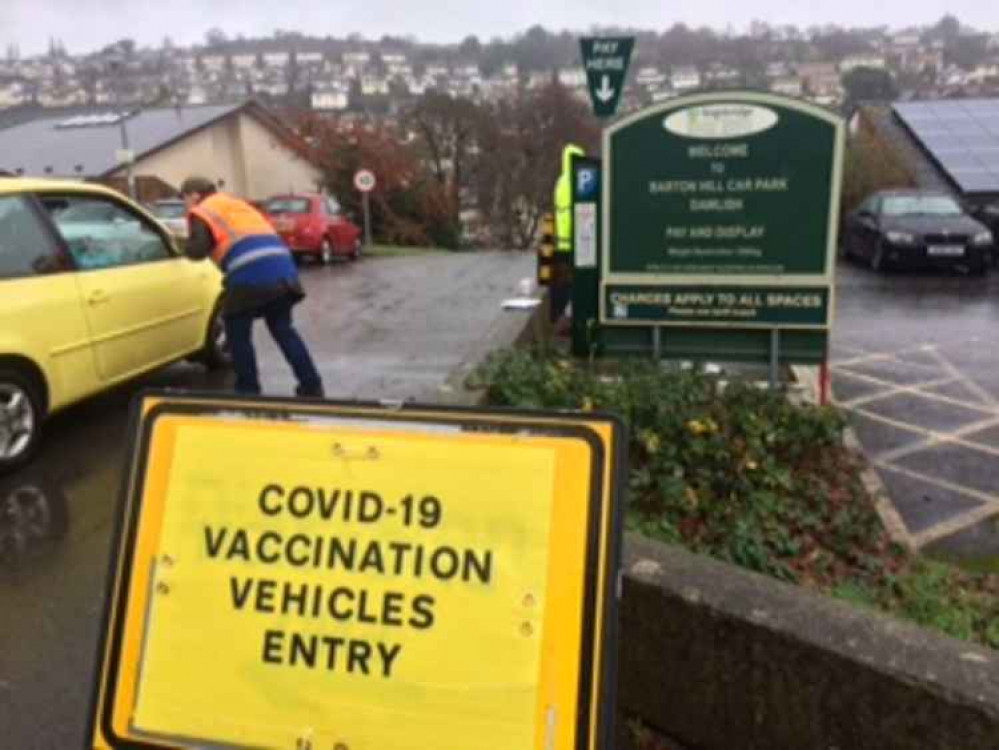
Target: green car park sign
(606,60)
(719,223)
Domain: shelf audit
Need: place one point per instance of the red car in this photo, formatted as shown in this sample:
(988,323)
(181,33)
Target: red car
(313,225)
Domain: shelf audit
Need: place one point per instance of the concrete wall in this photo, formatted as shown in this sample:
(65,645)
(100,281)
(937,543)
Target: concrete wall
(246,156)
(719,659)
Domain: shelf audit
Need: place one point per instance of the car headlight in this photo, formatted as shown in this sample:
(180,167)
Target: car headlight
(901,238)
(982,238)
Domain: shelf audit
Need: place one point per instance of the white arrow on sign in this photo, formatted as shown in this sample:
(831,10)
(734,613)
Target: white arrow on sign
(606,92)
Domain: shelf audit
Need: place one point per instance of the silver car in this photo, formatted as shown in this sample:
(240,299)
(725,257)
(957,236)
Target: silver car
(173,215)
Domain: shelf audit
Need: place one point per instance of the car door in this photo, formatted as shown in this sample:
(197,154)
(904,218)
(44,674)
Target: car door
(144,303)
(41,316)
(344,233)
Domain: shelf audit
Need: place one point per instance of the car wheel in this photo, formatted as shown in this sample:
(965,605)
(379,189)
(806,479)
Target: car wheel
(326,252)
(879,263)
(21,414)
(355,253)
(215,353)
(979,267)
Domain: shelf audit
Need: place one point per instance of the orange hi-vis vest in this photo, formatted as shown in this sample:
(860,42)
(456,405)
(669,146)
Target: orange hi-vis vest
(243,237)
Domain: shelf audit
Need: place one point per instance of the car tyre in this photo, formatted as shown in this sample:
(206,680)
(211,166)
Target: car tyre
(22,410)
(215,353)
(879,263)
(979,268)
(326,252)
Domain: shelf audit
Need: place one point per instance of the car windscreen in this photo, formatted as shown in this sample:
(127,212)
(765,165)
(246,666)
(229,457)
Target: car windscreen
(288,206)
(921,205)
(169,210)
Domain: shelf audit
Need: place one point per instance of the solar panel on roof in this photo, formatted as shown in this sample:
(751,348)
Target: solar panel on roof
(962,136)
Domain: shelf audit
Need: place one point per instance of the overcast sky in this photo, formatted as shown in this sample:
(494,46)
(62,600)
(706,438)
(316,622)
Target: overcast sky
(86,24)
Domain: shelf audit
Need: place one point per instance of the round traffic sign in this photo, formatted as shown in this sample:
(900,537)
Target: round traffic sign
(364,180)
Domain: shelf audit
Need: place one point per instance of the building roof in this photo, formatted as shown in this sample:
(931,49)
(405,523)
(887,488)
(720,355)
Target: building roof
(86,145)
(961,136)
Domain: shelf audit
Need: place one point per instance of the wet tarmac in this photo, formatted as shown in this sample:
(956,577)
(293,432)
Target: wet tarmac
(916,365)
(379,329)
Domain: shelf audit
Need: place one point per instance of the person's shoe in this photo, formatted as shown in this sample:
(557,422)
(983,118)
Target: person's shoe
(310,392)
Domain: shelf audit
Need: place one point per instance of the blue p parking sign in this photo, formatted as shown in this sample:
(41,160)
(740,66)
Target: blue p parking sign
(587,183)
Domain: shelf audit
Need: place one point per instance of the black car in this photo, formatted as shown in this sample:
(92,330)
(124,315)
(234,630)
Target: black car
(916,229)
(988,214)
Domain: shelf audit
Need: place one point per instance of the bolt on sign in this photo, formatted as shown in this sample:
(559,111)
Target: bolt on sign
(606,60)
(721,211)
(358,577)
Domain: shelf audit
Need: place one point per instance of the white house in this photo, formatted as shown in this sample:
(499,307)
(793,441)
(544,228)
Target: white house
(685,78)
(788,86)
(374,86)
(438,70)
(309,59)
(276,59)
(197,95)
(572,77)
(12,94)
(468,70)
(863,60)
(650,76)
(214,63)
(329,98)
(391,59)
(244,61)
(510,70)
(356,59)
(417,86)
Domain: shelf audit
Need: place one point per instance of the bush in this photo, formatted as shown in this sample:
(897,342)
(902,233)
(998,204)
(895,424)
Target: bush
(871,165)
(743,475)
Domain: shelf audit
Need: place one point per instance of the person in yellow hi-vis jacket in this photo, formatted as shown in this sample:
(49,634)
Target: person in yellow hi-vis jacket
(561,287)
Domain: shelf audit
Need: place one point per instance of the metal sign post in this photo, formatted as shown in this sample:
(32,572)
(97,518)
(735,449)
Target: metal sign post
(365,182)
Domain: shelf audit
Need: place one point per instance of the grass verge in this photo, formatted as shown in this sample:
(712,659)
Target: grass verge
(399,251)
(747,477)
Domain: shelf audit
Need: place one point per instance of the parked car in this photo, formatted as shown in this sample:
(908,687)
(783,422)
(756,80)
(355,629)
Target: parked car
(911,228)
(314,225)
(172,213)
(988,214)
(93,292)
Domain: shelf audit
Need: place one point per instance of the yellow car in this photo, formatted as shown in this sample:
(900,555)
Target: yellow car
(93,291)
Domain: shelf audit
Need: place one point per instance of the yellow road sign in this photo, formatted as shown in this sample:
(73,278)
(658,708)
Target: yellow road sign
(348,576)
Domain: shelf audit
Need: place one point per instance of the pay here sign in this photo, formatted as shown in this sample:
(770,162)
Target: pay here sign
(353,578)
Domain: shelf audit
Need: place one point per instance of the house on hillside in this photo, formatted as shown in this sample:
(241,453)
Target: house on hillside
(245,61)
(822,83)
(685,78)
(330,97)
(788,86)
(862,60)
(277,60)
(572,77)
(243,147)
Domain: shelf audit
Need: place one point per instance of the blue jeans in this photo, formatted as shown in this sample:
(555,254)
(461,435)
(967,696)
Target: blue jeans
(277,316)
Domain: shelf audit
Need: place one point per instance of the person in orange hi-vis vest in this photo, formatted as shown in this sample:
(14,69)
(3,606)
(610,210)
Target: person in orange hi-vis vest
(261,281)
